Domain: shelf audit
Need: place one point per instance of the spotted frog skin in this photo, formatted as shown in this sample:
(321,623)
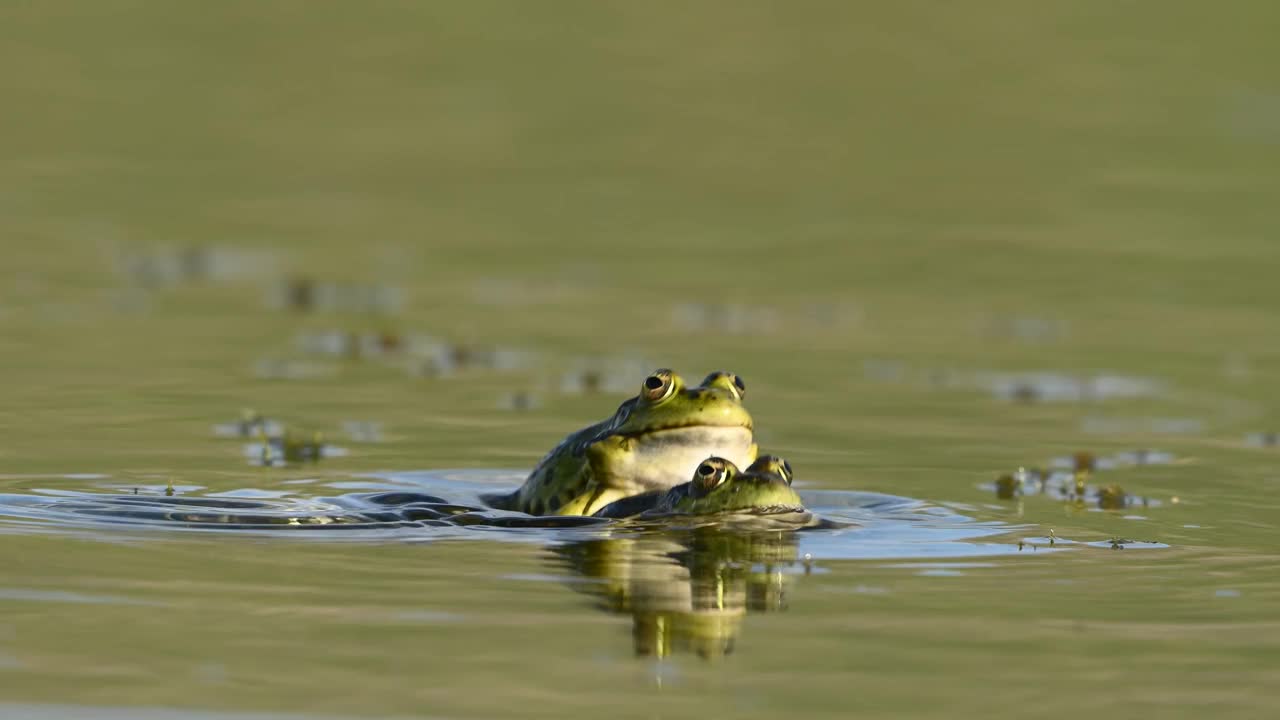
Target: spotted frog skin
(654,441)
(718,486)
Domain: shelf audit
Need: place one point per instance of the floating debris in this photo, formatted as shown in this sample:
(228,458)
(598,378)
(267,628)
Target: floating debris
(1084,462)
(385,343)
(304,294)
(440,365)
(169,267)
(1024,328)
(741,319)
(1114,543)
(444,359)
(364,431)
(1128,458)
(583,382)
(1025,387)
(1056,387)
(1008,487)
(1112,497)
(334,342)
(1263,439)
(496,359)
(291,447)
(1120,543)
(590,382)
(603,375)
(518,401)
(251,424)
(276,369)
(731,319)
(1143,457)
(1068,485)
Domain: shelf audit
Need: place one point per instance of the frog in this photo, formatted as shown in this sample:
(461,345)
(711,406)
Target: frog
(650,444)
(719,486)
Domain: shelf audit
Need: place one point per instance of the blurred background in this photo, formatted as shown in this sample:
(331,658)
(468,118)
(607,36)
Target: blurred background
(938,242)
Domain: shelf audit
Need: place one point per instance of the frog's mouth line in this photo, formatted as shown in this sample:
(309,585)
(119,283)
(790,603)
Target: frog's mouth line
(766,510)
(661,459)
(692,436)
(638,434)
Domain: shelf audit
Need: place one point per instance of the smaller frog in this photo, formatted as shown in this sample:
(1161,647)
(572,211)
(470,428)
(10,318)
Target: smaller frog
(718,486)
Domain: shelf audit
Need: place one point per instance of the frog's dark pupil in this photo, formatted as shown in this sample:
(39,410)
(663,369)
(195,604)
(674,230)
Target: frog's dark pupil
(706,470)
(786,466)
(653,382)
(742,387)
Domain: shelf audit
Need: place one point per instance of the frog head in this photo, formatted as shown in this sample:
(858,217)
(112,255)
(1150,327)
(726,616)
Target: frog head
(719,486)
(658,437)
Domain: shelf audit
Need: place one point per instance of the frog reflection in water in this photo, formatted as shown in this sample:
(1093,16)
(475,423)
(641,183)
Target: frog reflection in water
(686,590)
(652,442)
(722,546)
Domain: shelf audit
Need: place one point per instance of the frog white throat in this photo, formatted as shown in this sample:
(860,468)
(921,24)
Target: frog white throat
(663,458)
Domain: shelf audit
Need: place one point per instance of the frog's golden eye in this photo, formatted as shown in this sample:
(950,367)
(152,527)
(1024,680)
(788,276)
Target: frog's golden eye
(658,386)
(786,472)
(709,475)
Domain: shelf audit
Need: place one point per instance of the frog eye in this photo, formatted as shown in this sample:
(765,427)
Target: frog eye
(658,386)
(709,475)
(786,472)
(727,381)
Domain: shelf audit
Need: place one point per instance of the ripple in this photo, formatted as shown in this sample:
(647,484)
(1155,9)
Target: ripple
(411,507)
(59,596)
(51,711)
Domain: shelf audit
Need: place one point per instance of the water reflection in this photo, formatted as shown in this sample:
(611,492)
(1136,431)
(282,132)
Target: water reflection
(686,591)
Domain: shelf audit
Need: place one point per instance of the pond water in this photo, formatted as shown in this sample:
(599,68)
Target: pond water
(962,259)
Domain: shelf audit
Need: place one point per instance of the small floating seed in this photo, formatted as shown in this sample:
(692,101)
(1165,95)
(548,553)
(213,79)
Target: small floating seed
(1112,497)
(1007,487)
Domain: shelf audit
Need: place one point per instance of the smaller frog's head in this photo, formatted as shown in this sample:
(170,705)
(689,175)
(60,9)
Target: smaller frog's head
(719,486)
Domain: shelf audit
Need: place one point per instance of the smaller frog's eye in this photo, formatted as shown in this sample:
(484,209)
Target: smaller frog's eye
(708,476)
(742,387)
(786,472)
(658,386)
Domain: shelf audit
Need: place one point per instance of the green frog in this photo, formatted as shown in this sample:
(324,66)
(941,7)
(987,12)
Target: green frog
(654,440)
(718,486)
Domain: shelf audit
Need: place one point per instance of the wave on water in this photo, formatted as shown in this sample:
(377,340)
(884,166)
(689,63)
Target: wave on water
(435,505)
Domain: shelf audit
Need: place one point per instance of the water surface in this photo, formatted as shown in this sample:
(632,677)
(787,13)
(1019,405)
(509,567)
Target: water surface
(939,244)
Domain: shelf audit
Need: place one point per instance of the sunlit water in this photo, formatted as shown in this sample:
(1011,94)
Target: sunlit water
(939,243)
(435,505)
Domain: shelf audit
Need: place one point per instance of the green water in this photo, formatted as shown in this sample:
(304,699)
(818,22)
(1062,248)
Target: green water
(887,201)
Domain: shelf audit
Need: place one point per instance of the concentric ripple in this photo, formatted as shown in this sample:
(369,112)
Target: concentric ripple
(432,505)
